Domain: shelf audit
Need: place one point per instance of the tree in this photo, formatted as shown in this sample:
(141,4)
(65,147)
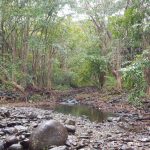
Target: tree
(30,32)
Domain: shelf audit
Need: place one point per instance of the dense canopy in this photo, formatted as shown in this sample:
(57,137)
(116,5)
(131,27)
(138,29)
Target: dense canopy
(58,44)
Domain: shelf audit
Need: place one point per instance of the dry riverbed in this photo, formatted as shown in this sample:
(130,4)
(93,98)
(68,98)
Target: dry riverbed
(114,133)
(128,129)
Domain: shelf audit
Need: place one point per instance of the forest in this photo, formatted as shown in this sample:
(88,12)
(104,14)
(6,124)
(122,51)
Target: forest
(91,53)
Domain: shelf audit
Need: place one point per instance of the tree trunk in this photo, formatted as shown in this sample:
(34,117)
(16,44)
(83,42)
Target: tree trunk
(117,75)
(102,79)
(25,49)
(49,73)
(147,78)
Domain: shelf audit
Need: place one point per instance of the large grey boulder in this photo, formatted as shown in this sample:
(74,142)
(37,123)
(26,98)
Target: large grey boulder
(47,134)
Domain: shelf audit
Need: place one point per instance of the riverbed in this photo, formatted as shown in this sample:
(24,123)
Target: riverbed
(114,133)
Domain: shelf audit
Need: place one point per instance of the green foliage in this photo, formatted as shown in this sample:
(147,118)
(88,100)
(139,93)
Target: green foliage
(10,69)
(43,46)
(92,70)
(62,79)
(134,81)
(110,81)
(132,26)
(36,97)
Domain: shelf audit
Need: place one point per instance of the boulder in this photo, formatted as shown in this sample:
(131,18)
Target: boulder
(47,134)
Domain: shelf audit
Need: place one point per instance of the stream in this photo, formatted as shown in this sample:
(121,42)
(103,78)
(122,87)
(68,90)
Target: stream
(79,110)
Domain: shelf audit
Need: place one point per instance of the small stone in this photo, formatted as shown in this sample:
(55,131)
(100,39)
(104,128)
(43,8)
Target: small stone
(47,117)
(25,143)
(27,134)
(10,141)
(59,148)
(39,116)
(1,117)
(124,147)
(10,130)
(72,140)
(70,128)
(3,125)
(113,119)
(12,124)
(32,115)
(85,137)
(148,128)
(70,122)
(1,145)
(22,137)
(34,125)
(145,140)
(15,147)
(2,133)
(7,114)
(20,128)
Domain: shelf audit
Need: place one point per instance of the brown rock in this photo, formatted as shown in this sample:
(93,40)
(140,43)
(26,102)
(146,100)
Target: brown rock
(46,134)
(10,141)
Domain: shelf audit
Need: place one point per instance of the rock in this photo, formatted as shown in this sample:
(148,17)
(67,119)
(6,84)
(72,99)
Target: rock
(148,128)
(22,137)
(10,141)
(32,115)
(145,140)
(7,114)
(72,101)
(48,117)
(113,119)
(72,140)
(70,128)
(10,130)
(1,117)
(70,122)
(48,133)
(12,124)
(59,148)
(1,145)
(20,128)
(3,125)
(25,143)
(33,124)
(85,137)
(27,134)
(15,147)
(2,133)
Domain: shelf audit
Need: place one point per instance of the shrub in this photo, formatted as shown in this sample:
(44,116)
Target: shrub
(133,77)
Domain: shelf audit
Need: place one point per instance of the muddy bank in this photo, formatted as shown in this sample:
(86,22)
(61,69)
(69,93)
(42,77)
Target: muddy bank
(114,133)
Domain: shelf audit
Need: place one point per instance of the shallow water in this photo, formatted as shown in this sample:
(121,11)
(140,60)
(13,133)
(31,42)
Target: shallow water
(82,110)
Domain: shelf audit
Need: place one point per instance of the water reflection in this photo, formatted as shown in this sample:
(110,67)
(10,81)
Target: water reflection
(82,110)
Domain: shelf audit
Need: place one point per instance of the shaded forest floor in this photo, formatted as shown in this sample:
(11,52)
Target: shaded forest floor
(129,128)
